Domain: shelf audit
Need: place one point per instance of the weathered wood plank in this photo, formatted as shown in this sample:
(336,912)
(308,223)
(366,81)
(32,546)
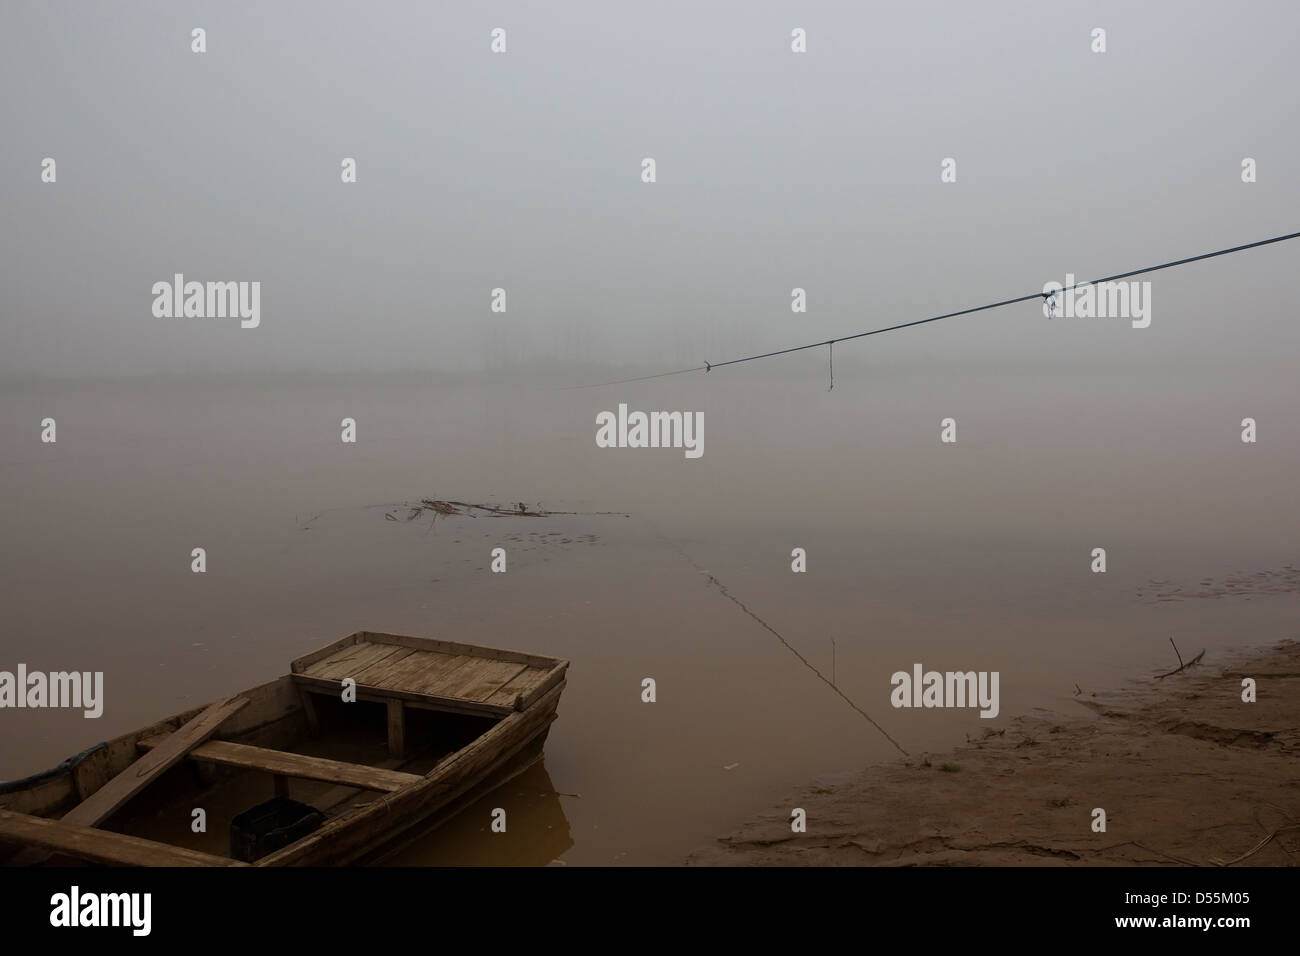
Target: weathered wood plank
(348,661)
(92,773)
(303,767)
(100,846)
(457,669)
(473,683)
(112,795)
(298,665)
(440,671)
(509,693)
(309,711)
(396,729)
(335,796)
(455,647)
(489,687)
(411,671)
(424,701)
(376,672)
(553,678)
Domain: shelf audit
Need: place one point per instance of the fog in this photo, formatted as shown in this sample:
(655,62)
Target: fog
(522,171)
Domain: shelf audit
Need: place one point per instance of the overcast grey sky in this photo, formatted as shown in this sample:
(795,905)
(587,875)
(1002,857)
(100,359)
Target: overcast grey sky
(522,171)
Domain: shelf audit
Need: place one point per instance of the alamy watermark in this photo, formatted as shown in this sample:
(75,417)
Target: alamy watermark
(1098,300)
(75,908)
(208,300)
(683,430)
(950,689)
(37,689)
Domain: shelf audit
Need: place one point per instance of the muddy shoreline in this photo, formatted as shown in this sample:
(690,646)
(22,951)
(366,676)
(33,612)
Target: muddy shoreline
(1186,771)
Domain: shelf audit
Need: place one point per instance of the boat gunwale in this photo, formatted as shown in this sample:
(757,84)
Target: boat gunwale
(67,767)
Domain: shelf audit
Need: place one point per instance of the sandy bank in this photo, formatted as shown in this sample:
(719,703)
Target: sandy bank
(1186,771)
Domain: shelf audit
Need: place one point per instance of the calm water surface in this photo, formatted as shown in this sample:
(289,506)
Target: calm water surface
(967,556)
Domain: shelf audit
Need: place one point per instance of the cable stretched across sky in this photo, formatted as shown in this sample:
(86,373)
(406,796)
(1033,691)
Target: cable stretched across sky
(709,366)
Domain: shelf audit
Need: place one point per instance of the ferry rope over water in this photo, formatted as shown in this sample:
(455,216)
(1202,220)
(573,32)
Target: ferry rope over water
(1048,298)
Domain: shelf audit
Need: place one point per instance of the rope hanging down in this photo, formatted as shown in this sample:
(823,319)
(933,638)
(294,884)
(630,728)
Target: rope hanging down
(710,366)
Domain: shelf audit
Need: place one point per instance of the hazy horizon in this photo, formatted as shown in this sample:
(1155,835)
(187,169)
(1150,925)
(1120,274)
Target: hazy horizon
(522,170)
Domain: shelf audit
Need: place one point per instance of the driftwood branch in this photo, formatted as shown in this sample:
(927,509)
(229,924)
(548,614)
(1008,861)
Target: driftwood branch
(1181,666)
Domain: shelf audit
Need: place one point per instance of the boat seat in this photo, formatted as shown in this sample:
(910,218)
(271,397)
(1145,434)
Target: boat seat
(285,764)
(99,846)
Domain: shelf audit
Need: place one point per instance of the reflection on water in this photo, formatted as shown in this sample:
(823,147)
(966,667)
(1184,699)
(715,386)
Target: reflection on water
(537,832)
(968,556)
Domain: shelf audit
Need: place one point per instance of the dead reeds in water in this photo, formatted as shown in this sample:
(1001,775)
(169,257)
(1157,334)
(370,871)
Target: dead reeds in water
(517,510)
(1181,666)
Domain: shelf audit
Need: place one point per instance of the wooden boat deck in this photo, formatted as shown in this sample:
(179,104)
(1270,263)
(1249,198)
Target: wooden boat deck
(440,675)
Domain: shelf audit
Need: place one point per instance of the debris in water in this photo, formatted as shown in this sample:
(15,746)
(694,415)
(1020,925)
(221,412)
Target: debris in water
(519,510)
(1181,666)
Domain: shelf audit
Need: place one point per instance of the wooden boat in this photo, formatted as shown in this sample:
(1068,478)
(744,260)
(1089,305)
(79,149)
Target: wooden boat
(434,725)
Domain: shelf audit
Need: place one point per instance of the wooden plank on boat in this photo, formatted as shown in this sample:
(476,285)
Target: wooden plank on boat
(417,671)
(112,795)
(396,729)
(100,846)
(552,678)
(481,677)
(309,711)
(455,647)
(350,660)
(92,772)
(489,687)
(350,657)
(442,666)
(449,675)
(423,701)
(512,691)
(445,685)
(377,672)
(329,650)
(301,766)
(332,798)
(410,672)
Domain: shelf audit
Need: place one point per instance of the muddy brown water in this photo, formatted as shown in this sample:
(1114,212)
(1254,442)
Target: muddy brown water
(967,556)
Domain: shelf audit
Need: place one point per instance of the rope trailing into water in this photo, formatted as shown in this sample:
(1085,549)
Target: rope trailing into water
(722,588)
